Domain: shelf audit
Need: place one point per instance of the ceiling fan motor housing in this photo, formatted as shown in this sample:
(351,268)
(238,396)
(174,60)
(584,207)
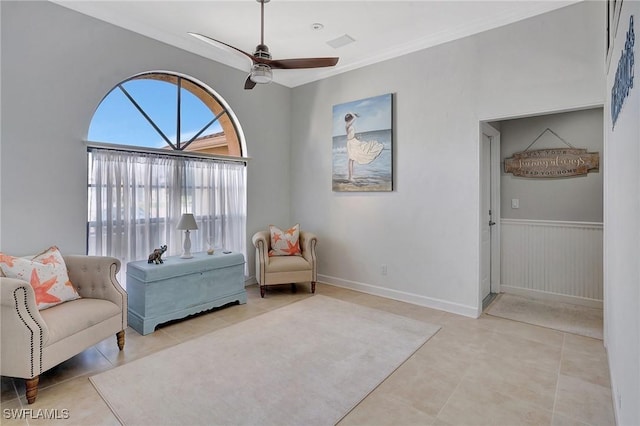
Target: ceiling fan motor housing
(262,52)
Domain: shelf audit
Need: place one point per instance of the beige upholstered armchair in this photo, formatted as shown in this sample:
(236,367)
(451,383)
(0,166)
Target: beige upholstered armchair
(285,269)
(34,341)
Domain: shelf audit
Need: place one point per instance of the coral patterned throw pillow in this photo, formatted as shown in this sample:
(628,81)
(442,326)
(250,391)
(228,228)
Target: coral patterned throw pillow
(285,243)
(47,274)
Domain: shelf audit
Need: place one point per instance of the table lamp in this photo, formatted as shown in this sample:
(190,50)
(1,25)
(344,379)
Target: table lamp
(187,223)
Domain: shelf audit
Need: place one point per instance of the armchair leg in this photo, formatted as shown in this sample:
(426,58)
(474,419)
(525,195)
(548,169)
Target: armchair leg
(313,287)
(32,389)
(120,338)
(263,289)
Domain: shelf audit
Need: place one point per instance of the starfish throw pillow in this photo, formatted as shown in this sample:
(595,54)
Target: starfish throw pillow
(47,274)
(285,243)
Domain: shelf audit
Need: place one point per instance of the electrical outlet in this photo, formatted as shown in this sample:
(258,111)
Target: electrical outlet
(383,269)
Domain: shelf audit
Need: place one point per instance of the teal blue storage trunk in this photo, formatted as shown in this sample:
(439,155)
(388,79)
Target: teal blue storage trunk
(181,287)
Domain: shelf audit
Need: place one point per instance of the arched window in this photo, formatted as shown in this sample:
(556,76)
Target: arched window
(161,145)
(167,111)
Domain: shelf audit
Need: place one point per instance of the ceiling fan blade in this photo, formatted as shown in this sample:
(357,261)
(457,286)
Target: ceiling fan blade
(261,61)
(249,84)
(217,43)
(301,63)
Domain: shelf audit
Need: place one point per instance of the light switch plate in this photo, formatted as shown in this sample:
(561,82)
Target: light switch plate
(515,203)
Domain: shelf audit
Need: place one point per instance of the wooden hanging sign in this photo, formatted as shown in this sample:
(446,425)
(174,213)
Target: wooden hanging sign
(552,163)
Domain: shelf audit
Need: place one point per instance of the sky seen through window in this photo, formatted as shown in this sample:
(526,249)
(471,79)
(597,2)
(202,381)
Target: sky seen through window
(118,121)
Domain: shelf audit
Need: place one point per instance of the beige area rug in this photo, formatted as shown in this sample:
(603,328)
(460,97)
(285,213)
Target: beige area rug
(308,363)
(565,317)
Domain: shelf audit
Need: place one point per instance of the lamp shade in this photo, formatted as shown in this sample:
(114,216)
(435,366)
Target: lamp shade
(187,222)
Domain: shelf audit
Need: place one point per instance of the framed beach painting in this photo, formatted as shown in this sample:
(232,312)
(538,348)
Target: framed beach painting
(363,145)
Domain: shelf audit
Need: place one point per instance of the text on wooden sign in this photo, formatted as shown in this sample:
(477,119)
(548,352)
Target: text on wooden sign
(552,163)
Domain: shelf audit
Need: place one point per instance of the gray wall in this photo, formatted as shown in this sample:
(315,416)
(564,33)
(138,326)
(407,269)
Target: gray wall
(622,235)
(427,230)
(577,198)
(56,67)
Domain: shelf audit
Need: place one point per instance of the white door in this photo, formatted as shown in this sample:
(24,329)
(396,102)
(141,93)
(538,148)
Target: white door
(489,268)
(485,217)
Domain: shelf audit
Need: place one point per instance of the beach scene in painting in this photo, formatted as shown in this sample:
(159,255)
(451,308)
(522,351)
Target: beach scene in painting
(363,145)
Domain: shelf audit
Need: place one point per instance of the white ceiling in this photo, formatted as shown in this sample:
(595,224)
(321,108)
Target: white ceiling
(381,29)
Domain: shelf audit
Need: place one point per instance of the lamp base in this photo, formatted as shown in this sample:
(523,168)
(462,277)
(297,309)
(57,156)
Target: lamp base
(186,248)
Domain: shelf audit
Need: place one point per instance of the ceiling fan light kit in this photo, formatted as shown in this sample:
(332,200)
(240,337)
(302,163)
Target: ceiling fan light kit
(262,64)
(261,74)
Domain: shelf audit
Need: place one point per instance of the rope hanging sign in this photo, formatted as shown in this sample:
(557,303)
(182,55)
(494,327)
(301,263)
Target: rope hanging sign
(552,162)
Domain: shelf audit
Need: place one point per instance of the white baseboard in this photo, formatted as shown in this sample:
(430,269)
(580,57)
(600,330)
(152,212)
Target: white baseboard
(416,299)
(553,297)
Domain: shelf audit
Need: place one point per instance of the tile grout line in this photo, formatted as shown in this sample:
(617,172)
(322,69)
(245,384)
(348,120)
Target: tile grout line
(437,416)
(555,396)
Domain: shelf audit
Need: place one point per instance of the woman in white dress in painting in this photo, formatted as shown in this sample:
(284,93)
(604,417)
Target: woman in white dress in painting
(361,152)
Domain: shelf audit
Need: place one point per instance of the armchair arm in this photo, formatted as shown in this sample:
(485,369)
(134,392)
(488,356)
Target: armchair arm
(23,330)
(261,241)
(261,238)
(95,277)
(308,243)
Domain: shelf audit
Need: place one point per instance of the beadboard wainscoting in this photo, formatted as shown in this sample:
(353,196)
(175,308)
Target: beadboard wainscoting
(554,260)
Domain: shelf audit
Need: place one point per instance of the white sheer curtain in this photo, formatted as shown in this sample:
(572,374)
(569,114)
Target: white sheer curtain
(136,200)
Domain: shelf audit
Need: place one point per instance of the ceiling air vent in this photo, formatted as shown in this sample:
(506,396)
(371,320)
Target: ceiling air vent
(341,41)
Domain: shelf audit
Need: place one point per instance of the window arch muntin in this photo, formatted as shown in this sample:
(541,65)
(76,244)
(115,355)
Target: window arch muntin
(209,97)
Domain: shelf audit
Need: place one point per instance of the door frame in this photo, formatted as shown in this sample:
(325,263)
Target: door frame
(495,170)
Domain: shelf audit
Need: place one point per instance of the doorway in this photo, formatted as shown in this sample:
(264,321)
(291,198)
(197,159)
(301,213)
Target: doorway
(548,232)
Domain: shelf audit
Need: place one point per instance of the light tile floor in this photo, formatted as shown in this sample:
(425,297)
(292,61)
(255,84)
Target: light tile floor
(486,371)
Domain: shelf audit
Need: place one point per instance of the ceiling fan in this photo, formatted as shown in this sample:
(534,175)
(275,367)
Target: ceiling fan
(262,64)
